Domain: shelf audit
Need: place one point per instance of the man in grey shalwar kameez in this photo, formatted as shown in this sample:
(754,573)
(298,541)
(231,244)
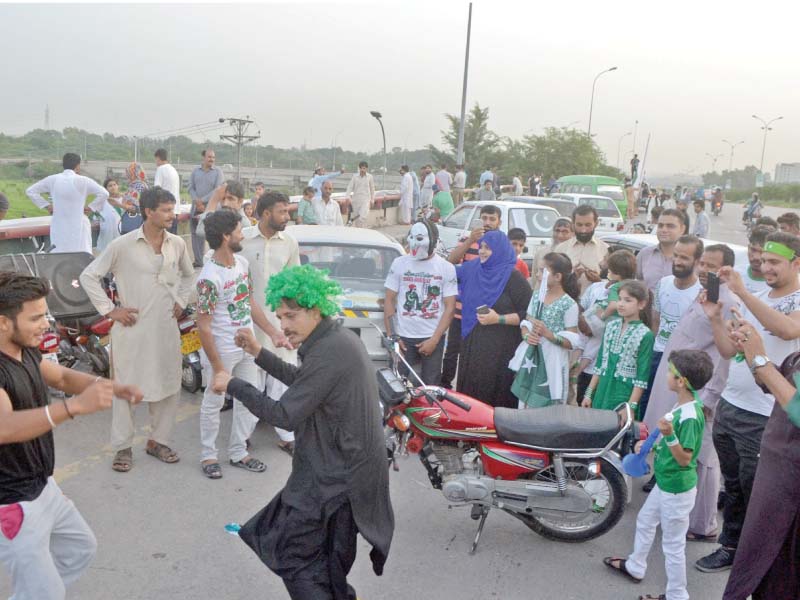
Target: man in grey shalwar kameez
(694,333)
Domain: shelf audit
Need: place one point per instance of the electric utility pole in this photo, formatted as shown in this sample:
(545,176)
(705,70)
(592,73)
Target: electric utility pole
(238,138)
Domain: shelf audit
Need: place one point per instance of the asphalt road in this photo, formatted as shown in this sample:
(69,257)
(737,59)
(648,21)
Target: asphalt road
(160,528)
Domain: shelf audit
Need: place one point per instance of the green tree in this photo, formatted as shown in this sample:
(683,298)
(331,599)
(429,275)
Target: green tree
(481,145)
(563,151)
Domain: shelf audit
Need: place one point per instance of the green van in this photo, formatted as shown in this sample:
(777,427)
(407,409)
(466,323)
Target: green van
(598,185)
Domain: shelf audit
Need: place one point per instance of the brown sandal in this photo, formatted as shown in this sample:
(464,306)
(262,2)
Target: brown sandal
(123,461)
(620,568)
(162,452)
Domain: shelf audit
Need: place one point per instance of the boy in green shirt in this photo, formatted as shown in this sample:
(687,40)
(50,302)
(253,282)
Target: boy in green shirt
(675,466)
(306,215)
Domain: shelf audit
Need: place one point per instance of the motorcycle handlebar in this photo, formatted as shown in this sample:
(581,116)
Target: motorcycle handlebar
(459,403)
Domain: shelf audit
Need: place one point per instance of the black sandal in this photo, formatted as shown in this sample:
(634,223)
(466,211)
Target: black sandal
(621,569)
(212,470)
(649,597)
(250,464)
(696,537)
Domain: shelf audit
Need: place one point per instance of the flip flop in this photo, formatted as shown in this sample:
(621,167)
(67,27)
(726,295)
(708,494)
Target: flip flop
(212,470)
(123,461)
(621,569)
(250,464)
(162,453)
(696,537)
(649,597)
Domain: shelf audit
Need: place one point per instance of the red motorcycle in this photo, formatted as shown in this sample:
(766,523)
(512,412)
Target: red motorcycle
(557,469)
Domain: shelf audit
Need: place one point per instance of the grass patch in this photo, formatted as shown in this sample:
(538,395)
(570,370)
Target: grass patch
(19,204)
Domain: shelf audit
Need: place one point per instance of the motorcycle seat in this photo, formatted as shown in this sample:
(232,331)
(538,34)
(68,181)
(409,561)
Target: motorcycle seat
(560,427)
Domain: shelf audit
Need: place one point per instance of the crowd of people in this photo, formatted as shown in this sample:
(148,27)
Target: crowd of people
(699,347)
(679,330)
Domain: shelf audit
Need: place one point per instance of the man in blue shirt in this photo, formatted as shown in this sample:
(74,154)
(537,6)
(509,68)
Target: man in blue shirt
(202,182)
(319,178)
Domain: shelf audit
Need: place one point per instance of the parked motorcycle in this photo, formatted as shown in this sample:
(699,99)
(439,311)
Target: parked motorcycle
(191,371)
(557,469)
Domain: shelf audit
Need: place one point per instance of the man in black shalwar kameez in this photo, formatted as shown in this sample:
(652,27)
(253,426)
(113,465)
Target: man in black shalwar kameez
(339,485)
(767,563)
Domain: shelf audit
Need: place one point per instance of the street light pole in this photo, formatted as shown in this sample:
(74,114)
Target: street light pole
(378,116)
(591,103)
(714,158)
(733,146)
(461,124)
(766,127)
(619,145)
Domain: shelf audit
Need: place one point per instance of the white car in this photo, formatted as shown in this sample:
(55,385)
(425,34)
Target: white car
(359,259)
(537,222)
(636,241)
(607,210)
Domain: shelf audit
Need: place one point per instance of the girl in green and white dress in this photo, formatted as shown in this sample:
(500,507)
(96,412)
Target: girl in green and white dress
(543,373)
(623,363)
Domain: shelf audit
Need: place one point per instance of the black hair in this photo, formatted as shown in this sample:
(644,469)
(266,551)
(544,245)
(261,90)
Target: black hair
(3,202)
(693,239)
(309,190)
(268,200)
(787,239)
(583,210)
(767,222)
(700,203)
(623,263)
(491,209)
(656,212)
(693,365)
(639,291)
(16,289)
(70,161)
(517,233)
(789,218)
(363,163)
(259,183)
(405,168)
(161,154)
(235,188)
(672,212)
(560,264)
(758,235)
(728,257)
(203,153)
(109,180)
(153,198)
(219,224)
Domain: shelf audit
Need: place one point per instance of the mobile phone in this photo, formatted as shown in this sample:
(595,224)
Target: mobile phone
(712,287)
(482,309)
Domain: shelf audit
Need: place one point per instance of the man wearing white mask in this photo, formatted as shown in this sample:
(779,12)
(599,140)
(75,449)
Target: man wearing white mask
(421,291)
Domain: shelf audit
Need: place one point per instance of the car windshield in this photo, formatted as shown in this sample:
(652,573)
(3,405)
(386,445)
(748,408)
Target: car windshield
(603,206)
(360,270)
(612,191)
(535,222)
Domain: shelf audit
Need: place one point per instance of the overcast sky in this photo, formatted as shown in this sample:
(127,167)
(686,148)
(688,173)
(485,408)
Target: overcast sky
(692,73)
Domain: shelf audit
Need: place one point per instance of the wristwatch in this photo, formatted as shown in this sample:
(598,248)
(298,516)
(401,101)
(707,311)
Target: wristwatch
(759,361)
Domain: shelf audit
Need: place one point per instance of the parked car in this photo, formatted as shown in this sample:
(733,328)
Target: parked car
(564,207)
(636,241)
(359,259)
(607,210)
(537,222)
(592,184)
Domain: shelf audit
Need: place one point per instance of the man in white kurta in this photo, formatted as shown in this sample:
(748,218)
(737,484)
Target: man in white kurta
(269,249)
(361,190)
(406,196)
(154,276)
(70,230)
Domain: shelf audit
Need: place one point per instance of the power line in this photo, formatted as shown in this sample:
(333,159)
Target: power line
(239,137)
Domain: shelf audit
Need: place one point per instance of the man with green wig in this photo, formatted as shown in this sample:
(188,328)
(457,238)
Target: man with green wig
(339,485)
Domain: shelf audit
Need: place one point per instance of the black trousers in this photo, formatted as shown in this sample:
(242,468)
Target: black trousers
(737,440)
(584,379)
(427,367)
(326,577)
(450,362)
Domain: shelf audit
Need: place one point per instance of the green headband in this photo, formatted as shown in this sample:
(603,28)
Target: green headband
(674,370)
(780,249)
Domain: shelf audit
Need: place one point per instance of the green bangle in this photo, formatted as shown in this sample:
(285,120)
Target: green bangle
(671,440)
(588,393)
(501,319)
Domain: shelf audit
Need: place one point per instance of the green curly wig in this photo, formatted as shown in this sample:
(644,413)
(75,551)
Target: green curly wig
(307,286)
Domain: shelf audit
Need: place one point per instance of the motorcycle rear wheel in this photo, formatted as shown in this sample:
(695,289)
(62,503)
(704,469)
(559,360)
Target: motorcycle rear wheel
(191,378)
(573,529)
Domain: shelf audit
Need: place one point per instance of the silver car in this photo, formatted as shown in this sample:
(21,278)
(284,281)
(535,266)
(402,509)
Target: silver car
(359,259)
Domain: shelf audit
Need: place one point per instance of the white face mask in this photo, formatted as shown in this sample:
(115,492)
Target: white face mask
(419,242)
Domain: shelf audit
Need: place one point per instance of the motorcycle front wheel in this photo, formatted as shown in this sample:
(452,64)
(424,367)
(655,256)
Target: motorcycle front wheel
(191,377)
(609,495)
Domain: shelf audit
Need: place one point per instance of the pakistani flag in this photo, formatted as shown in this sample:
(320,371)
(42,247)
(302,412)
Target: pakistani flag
(530,384)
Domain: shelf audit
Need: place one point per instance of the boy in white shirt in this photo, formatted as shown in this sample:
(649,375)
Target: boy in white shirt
(421,291)
(225,305)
